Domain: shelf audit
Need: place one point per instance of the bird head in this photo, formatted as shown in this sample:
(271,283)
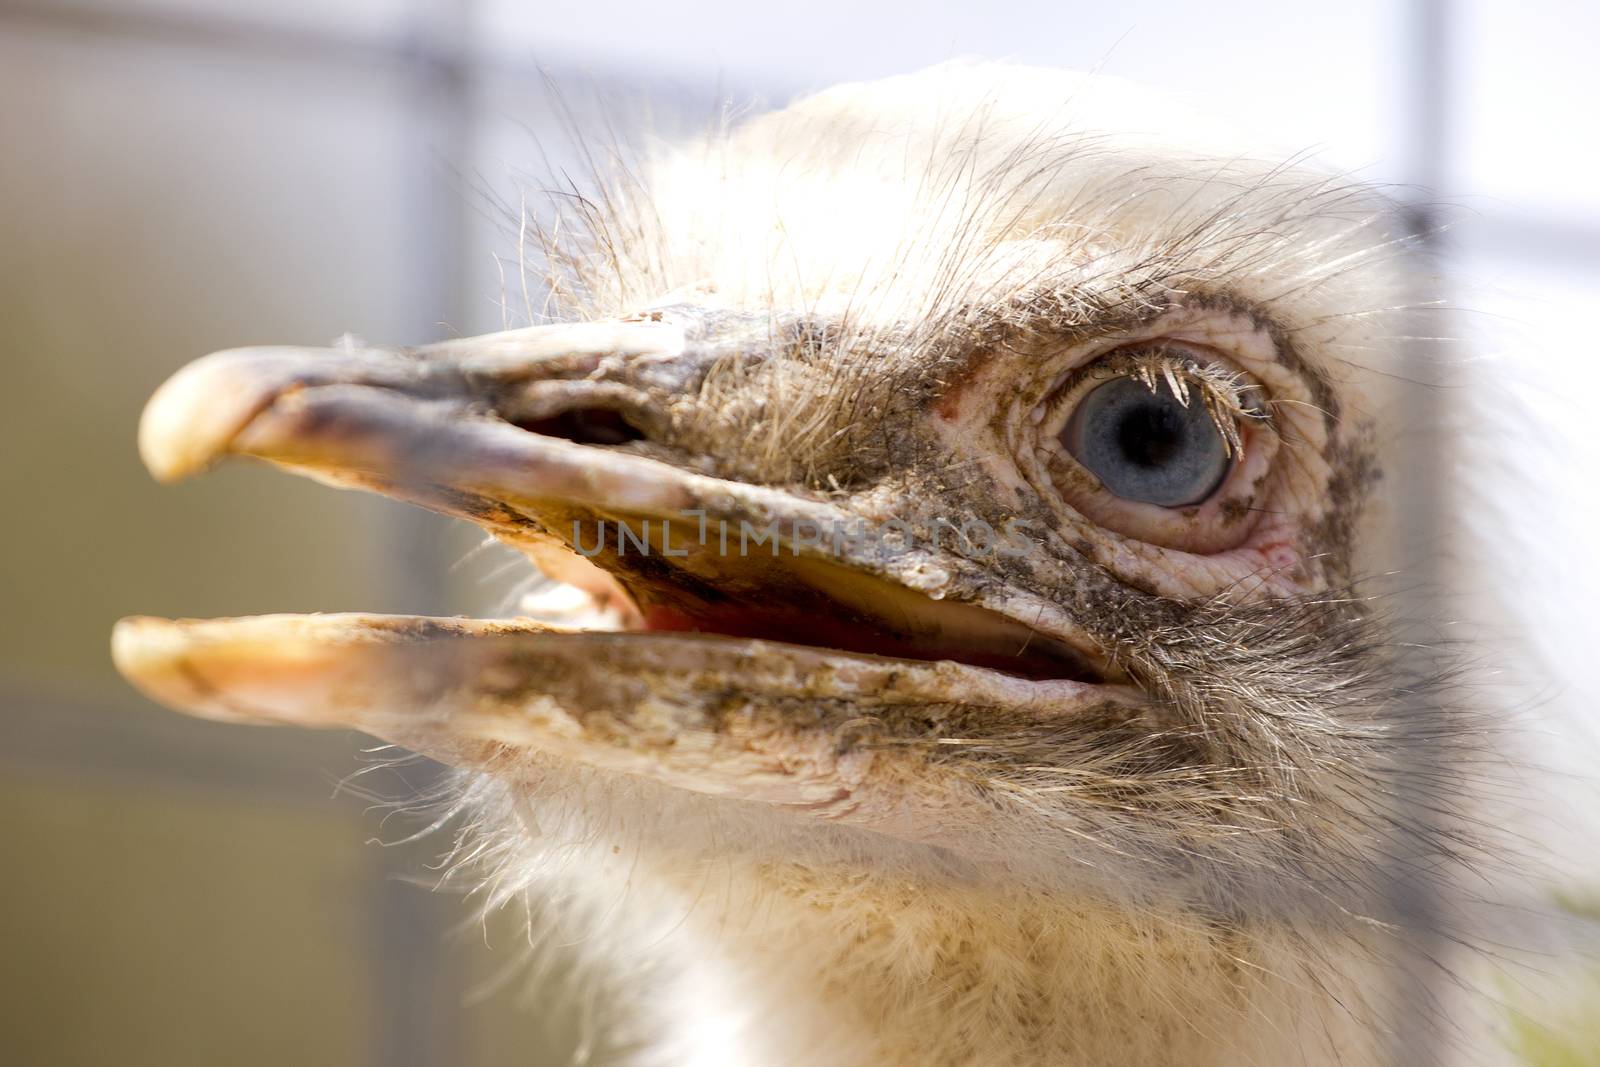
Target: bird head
(974,468)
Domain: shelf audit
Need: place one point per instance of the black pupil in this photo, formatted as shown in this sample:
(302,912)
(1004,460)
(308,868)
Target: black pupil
(1151,434)
(1146,444)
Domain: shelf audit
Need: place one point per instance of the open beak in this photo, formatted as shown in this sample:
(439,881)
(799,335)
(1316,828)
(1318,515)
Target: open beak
(780,672)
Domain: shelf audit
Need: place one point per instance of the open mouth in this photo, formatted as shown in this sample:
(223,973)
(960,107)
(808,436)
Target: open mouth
(815,603)
(827,638)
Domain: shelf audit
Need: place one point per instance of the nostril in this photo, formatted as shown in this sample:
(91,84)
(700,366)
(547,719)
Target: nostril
(585,426)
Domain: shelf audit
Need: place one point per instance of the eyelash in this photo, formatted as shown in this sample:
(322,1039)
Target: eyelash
(1229,395)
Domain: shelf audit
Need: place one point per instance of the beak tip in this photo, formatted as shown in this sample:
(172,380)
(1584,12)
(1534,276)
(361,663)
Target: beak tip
(148,652)
(196,414)
(190,418)
(130,642)
(158,658)
(165,463)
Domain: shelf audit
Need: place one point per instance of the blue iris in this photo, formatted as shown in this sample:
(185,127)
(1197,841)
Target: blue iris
(1146,445)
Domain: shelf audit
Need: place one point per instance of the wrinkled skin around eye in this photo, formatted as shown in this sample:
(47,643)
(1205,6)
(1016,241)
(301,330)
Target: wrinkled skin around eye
(1146,444)
(1262,531)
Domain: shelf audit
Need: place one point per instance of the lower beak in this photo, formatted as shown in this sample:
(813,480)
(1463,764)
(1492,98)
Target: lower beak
(477,692)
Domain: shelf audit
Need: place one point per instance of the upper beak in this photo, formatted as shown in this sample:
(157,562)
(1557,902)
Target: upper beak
(443,426)
(423,422)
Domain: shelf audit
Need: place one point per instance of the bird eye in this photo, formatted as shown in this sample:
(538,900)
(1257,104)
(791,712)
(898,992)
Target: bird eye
(1146,443)
(1162,441)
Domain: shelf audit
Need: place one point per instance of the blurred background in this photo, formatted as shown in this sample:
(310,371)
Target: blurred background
(180,176)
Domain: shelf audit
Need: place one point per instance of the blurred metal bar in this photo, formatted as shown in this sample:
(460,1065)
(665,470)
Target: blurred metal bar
(320,47)
(1547,239)
(1421,498)
(212,30)
(309,45)
(1429,115)
(419,1005)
